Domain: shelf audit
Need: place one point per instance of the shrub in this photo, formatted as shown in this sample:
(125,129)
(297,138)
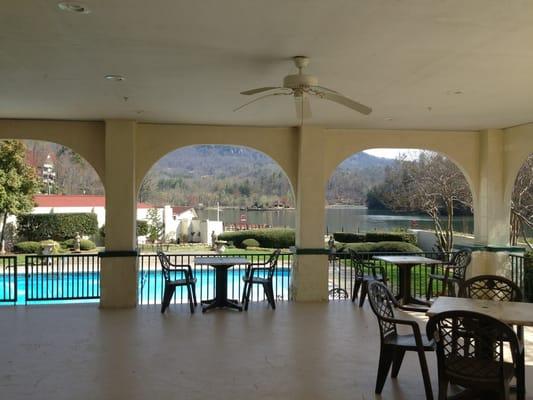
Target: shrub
(37,227)
(347,237)
(391,237)
(86,244)
(27,247)
(268,238)
(68,244)
(381,247)
(142,229)
(250,243)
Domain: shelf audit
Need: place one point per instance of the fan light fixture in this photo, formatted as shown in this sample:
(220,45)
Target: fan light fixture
(115,78)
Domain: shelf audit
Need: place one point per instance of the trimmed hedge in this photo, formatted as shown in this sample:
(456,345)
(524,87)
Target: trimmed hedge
(347,237)
(381,247)
(27,247)
(37,227)
(271,238)
(142,228)
(85,244)
(391,237)
(250,243)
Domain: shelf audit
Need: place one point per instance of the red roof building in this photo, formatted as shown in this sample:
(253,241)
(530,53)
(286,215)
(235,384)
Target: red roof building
(75,200)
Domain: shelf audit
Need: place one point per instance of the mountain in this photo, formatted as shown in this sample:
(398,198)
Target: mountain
(240,176)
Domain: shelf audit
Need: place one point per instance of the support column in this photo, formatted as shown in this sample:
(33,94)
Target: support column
(310,271)
(118,281)
(491,212)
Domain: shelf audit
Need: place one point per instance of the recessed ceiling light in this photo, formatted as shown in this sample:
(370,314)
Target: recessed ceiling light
(115,78)
(73,7)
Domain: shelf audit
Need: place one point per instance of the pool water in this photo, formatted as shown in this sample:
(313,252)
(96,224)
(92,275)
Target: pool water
(52,288)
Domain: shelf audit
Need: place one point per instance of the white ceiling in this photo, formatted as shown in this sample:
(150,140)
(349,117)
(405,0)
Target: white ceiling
(186,61)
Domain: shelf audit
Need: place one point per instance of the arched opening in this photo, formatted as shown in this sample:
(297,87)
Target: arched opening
(401,201)
(521,232)
(387,190)
(52,217)
(203,199)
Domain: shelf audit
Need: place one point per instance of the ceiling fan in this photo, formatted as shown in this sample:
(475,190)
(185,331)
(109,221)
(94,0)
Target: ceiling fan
(301,86)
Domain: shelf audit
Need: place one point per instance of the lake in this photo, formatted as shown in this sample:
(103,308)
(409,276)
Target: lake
(338,218)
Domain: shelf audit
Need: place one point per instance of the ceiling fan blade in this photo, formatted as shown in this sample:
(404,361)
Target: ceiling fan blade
(345,101)
(259,90)
(261,97)
(324,89)
(303,108)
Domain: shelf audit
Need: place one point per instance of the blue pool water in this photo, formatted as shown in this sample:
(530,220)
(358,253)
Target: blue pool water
(48,288)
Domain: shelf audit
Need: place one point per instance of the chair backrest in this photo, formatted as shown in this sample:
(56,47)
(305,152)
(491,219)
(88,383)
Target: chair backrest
(359,264)
(491,287)
(272,263)
(381,302)
(461,260)
(165,264)
(470,346)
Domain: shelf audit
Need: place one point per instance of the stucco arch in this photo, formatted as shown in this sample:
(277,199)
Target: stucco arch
(154,141)
(517,148)
(85,138)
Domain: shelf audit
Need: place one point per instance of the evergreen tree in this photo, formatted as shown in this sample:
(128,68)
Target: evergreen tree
(18,182)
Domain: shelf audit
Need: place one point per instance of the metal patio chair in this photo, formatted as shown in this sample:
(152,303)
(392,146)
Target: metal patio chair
(170,271)
(454,273)
(365,272)
(261,274)
(470,353)
(394,345)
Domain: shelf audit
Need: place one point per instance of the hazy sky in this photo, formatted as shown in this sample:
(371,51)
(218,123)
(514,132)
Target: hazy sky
(392,153)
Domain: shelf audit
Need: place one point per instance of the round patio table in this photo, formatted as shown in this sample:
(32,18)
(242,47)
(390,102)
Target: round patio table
(221,265)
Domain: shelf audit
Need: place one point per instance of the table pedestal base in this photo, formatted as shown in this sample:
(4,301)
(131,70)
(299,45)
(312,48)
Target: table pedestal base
(221,292)
(220,303)
(404,297)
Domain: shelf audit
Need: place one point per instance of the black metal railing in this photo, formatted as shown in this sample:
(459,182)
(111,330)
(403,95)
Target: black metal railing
(8,279)
(517,269)
(62,277)
(151,282)
(342,273)
(77,277)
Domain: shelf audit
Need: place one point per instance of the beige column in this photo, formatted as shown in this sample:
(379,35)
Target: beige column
(119,262)
(491,211)
(310,271)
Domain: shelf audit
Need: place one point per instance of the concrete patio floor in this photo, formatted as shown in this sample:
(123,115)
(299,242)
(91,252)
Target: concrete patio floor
(300,351)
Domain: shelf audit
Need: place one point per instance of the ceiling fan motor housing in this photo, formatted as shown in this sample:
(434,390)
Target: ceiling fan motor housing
(299,80)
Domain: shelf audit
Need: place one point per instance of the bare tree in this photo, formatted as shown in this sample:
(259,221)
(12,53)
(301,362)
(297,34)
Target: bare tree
(522,204)
(432,184)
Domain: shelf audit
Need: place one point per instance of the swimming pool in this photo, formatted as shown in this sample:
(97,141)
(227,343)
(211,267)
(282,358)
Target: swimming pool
(84,287)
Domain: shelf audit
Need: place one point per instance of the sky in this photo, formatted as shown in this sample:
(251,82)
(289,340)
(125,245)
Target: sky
(393,153)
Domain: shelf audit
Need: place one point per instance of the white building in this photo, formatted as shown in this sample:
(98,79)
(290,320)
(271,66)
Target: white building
(180,222)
